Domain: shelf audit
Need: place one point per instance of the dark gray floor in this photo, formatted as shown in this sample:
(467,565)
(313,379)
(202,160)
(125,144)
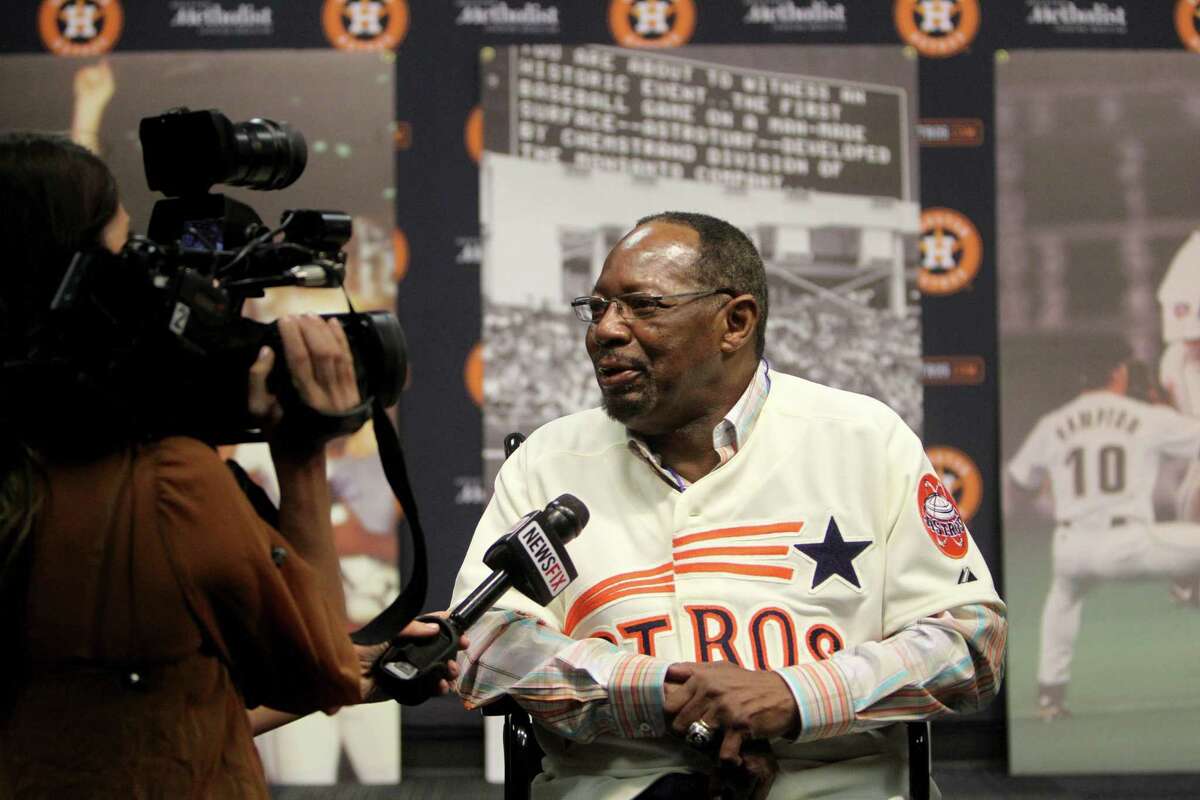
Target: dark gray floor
(959,780)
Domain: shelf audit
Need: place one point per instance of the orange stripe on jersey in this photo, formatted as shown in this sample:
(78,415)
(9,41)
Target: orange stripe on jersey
(659,571)
(581,609)
(730,533)
(730,568)
(769,550)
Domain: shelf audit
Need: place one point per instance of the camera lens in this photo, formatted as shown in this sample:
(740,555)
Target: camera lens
(270,155)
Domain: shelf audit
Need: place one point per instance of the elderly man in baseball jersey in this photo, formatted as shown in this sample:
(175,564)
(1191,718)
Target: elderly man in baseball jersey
(1100,455)
(771,565)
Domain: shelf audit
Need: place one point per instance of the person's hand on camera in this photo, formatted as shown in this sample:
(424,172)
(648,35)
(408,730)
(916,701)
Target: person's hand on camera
(318,357)
(414,692)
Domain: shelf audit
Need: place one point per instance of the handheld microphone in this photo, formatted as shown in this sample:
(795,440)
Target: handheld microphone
(530,558)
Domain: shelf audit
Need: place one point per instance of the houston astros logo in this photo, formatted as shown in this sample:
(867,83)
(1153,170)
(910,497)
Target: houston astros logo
(1187,22)
(960,476)
(651,23)
(937,28)
(80,27)
(951,251)
(365,25)
(940,517)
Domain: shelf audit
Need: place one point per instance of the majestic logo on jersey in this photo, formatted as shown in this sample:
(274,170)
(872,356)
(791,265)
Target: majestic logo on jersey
(651,23)
(940,516)
(1187,23)
(960,476)
(80,27)
(833,556)
(951,251)
(966,576)
(937,28)
(365,25)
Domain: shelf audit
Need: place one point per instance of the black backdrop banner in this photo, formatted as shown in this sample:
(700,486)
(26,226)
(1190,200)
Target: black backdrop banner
(435,45)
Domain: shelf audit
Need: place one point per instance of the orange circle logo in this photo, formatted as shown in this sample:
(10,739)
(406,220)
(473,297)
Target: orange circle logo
(960,476)
(937,28)
(473,374)
(651,23)
(473,134)
(399,255)
(365,25)
(1186,14)
(951,251)
(80,27)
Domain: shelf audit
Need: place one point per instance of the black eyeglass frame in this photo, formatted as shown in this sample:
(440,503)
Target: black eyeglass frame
(584,311)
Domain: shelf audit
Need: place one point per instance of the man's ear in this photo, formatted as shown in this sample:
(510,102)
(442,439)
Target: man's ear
(741,323)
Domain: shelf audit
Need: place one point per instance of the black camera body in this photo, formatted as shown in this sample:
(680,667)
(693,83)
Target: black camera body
(153,338)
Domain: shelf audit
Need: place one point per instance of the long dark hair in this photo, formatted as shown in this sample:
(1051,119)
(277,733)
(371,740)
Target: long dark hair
(57,198)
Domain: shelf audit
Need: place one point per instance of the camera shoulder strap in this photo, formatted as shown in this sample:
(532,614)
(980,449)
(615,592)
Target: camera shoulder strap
(409,602)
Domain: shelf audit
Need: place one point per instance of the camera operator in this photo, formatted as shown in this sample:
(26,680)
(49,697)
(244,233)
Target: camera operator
(145,604)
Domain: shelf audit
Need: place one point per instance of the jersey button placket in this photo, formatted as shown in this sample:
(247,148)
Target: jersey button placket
(686,518)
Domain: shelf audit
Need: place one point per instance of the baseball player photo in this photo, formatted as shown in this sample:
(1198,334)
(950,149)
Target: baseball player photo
(1098,457)
(1098,275)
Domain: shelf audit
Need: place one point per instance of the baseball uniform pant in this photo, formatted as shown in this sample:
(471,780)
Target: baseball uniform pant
(1121,550)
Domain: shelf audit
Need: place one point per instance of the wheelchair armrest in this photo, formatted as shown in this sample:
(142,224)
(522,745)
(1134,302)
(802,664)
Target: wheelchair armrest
(502,708)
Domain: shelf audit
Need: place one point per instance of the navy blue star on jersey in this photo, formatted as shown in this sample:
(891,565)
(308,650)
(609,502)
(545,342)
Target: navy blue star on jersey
(833,556)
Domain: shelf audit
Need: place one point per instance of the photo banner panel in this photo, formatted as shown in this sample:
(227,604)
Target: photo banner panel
(577,149)
(1099,286)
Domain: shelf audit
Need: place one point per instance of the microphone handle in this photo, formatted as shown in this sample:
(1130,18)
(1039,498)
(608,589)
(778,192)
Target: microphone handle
(485,595)
(413,660)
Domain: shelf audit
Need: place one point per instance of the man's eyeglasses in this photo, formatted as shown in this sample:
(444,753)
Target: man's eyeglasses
(635,305)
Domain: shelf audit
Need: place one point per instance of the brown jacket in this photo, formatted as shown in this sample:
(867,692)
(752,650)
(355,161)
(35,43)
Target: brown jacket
(159,608)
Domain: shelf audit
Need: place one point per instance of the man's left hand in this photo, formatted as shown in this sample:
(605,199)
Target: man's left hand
(745,704)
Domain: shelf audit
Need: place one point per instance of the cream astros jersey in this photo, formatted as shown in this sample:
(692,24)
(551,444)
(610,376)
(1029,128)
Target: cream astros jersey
(828,528)
(1101,452)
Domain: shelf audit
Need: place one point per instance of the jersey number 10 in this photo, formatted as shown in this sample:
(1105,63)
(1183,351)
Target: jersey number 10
(1110,461)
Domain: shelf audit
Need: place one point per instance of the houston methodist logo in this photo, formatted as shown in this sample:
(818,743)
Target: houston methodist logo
(960,476)
(940,517)
(365,25)
(937,28)
(1187,23)
(651,23)
(80,27)
(951,251)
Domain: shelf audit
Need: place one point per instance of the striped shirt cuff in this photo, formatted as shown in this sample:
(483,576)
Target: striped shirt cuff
(635,692)
(823,697)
